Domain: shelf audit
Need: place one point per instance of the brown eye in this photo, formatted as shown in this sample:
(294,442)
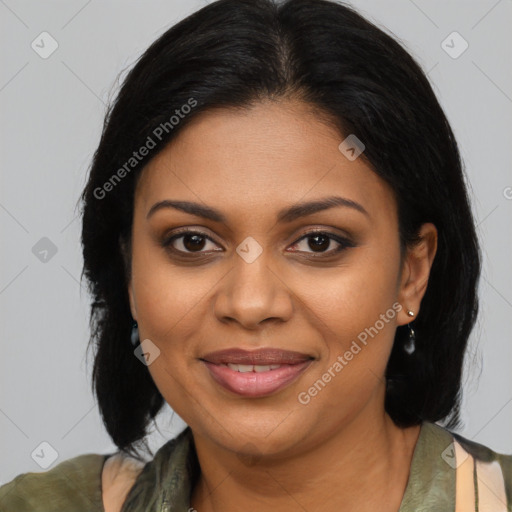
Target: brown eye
(187,242)
(320,241)
(193,242)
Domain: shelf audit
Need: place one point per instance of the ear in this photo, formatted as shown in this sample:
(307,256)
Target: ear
(416,271)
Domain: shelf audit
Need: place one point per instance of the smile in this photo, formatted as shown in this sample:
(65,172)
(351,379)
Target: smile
(256,373)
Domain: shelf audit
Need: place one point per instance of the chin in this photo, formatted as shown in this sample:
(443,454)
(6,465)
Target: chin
(259,435)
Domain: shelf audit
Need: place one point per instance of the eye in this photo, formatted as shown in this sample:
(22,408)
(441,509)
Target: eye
(187,241)
(320,241)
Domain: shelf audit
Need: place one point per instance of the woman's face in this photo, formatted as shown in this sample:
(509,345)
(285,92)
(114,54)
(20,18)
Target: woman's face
(325,305)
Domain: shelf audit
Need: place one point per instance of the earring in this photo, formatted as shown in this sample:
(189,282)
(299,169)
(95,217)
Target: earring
(135,334)
(410,313)
(410,344)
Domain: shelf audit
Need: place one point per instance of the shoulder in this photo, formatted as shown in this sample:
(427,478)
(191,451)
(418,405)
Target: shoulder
(492,470)
(485,455)
(119,475)
(167,480)
(72,485)
(478,451)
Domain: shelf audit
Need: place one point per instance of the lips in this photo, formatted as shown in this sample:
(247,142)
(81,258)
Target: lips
(255,373)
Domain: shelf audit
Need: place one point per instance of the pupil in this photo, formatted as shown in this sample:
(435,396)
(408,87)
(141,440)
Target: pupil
(323,245)
(195,241)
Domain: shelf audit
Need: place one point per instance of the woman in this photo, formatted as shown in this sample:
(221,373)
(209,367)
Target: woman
(276,218)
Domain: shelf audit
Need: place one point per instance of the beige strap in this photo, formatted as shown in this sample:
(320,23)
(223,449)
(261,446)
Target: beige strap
(119,475)
(464,483)
(490,484)
(491,487)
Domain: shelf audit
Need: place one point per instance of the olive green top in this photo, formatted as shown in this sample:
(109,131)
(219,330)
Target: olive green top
(165,483)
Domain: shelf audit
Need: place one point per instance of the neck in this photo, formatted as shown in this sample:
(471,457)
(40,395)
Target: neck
(363,466)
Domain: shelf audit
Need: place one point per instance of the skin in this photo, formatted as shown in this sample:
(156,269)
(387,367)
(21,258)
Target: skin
(275,453)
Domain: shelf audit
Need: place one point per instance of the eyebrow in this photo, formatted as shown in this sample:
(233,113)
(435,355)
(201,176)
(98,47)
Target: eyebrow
(288,214)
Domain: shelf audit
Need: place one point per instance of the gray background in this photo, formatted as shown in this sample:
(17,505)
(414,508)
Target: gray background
(52,113)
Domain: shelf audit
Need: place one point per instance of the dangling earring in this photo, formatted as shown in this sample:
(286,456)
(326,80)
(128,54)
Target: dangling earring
(410,344)
(135,334)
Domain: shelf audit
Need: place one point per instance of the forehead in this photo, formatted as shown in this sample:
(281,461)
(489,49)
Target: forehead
(260,159)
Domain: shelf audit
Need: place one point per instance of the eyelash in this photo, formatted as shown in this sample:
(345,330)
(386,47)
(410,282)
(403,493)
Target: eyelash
(344,243)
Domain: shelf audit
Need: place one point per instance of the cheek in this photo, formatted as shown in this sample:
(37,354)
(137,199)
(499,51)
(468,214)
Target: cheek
(167,296)
(345,300)
(355,309)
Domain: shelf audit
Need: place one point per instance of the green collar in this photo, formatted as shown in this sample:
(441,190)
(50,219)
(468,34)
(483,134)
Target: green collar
(431,484)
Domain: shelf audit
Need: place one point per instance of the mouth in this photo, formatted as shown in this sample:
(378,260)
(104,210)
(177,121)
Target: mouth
(255,373)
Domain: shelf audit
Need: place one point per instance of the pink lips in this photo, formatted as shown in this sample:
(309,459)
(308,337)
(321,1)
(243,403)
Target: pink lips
(272,369)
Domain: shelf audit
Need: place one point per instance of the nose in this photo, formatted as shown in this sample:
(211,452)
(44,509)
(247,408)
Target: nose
(253,293)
